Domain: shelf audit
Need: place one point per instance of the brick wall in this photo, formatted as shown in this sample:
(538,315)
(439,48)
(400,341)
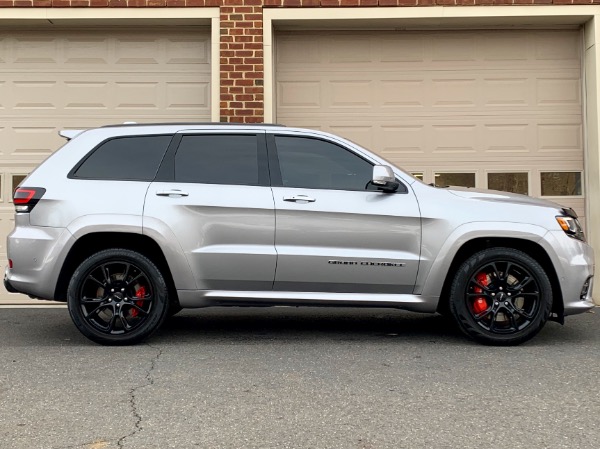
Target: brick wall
(241,64)
(242,68)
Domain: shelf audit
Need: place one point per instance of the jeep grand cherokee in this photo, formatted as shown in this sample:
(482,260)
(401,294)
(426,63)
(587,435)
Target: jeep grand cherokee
(130,223)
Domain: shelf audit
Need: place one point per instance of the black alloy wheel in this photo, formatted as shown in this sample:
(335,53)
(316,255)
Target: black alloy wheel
(501,296)
(117,297)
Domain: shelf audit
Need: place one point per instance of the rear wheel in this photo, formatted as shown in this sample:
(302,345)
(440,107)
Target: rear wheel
(501,296)
(117,297)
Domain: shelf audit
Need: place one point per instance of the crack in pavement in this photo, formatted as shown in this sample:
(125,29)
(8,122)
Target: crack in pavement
(132,397)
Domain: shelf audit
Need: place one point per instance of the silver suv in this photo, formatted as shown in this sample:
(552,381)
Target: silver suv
(128,224)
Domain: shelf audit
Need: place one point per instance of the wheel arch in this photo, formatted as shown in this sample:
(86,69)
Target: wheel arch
(93,242)
(529,247)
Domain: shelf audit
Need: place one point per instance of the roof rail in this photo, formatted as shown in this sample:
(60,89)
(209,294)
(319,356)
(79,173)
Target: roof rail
(127,124)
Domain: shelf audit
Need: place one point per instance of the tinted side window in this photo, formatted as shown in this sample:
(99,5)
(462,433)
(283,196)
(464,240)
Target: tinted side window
(125,158)
(317,164)
(213,159)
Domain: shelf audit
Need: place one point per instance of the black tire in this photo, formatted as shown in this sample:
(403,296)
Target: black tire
(117,297)
(501,296)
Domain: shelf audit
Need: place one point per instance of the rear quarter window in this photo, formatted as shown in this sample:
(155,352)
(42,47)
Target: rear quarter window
(134,158)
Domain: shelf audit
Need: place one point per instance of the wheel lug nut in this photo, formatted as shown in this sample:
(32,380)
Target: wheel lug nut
(496,303)
(112,290)
(500,289)
(508,294)
(493,294)
(122,289)
(505,303)
(109,299)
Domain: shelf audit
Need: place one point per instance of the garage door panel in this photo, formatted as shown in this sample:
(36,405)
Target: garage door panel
(351,94)
(562,47)
(562,91)
(508,92)
(452,48)
(504,139)
(37,49)
(392,50)
(77,95)
(453,139)
(353,50)
(31,94)
(453,92)
(510,49)
(402,142)
(402,94)
(92,50)
(498,50)
(563,138)
(82,94)
(433,93)
(297,95)
(179,98)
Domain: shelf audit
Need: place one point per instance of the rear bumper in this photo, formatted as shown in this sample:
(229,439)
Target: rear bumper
(7,285)
(37,254)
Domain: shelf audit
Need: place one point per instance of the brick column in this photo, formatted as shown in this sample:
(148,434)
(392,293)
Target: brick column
(242,70)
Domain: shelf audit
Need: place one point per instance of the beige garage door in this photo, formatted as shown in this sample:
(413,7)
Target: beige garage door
(492,109)
(56,79)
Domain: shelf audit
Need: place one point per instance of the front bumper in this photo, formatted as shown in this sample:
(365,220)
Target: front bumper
(574,264)
(584,303)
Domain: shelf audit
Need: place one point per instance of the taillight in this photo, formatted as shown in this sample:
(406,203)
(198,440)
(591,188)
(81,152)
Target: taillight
(25,198)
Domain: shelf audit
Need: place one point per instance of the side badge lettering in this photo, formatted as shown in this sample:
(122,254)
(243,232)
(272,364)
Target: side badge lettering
(367,264)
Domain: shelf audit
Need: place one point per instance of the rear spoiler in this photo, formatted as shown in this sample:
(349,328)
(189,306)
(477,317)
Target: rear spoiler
(70,133)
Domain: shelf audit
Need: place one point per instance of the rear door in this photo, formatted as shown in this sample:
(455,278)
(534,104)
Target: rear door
(213,193)
(335,232)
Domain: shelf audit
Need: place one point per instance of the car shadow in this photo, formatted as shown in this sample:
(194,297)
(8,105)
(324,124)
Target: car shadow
(305,323)
(247,325)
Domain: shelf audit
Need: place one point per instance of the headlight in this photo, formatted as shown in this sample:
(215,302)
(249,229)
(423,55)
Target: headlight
(571,227)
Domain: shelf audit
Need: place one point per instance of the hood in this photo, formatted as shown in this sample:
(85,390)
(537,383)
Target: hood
(503,197)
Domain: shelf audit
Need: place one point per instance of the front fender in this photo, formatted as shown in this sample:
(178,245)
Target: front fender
(436,261)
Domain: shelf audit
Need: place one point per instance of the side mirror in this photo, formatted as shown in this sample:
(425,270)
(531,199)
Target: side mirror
(384,178)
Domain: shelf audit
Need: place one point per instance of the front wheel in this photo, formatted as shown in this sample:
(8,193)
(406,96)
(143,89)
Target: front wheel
(501,296)
(117,297)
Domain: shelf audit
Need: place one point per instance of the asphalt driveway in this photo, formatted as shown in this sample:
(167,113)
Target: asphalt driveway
(297,378)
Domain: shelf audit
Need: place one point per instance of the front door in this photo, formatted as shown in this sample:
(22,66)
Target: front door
(334,231)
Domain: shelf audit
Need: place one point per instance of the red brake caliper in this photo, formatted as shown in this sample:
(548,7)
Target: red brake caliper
(139,293)
(480,304)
